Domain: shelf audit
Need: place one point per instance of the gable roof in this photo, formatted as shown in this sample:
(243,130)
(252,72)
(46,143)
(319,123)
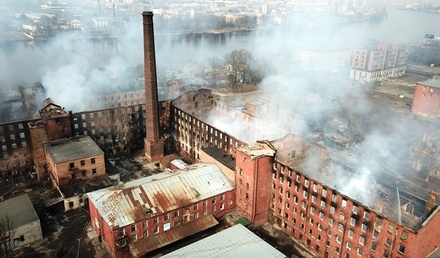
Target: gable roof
(125,204)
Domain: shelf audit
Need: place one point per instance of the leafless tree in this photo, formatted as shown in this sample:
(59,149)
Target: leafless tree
(215,64)
(7,233)
(238,62)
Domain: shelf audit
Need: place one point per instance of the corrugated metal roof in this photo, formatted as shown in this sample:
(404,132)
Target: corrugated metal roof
(72,148)
(19,210)
(122,205)
(146,245)
(236,241)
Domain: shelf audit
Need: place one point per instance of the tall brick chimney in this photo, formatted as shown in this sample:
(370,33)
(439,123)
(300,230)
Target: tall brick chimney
(153,144)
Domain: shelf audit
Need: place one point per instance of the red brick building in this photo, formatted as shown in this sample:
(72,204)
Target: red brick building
(426,100)
(253,181)
(142,215)
(72,159)
(328,222)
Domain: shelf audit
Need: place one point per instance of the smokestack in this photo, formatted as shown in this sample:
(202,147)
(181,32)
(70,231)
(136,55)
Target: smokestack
(153,143)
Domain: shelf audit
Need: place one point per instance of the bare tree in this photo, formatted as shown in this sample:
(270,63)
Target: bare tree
(7,233)
(215,64)
(238,62)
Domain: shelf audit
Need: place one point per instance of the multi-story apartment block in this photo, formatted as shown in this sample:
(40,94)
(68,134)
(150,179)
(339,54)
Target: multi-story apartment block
(426,100)
(142,215)
(378,63)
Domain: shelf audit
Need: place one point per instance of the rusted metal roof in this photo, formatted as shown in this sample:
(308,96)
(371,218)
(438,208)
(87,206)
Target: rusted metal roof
(236,241)
(125,204)
(146,245)
(72,148)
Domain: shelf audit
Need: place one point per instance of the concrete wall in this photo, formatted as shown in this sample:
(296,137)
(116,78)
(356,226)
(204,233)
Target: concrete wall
(27,234)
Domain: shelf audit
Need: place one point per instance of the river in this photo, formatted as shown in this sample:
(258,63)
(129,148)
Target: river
(68,63)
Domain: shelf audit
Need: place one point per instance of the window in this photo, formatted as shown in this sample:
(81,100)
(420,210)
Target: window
(93,171)
(375,234)
(195,206)
(338,239)
(352,221)
(404,236)
(321,215)
(364,227)
(350,233)
(83,163)
(361,240)
(222,206)
(332,210)
(205,202)
(340,227)
(360,251)
(71,165)
(176,214)
(312,210)
(313,199)
(330,221)
(145,234)
(134,238)
(366,215)
(213,200)
(93,160)
(144,224)
(156,230)
(348,245)
(354,209)
(342,216)
(155,220)
(322,204)
(401,249)
(388,242)
(306,183)
(391,229)
(324,193)
(247,186)
(166,217)
(344,204)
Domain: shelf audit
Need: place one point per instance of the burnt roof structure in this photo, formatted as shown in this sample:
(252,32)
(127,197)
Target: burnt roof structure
(140,199)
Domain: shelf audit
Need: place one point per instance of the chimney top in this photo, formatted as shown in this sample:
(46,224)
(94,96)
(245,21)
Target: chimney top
(147,13)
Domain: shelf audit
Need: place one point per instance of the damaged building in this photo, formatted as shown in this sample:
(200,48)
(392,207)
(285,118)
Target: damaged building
(295,183)
(140,216)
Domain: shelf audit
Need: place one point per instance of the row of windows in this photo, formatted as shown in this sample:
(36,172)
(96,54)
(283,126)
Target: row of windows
(11,127)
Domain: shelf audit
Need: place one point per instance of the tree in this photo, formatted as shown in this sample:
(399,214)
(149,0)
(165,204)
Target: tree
(215,64)
(7,233)
(238,62)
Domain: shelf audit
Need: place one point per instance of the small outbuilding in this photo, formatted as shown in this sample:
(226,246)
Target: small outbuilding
(21,220)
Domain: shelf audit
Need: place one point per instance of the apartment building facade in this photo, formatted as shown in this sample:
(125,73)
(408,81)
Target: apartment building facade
(378,63)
